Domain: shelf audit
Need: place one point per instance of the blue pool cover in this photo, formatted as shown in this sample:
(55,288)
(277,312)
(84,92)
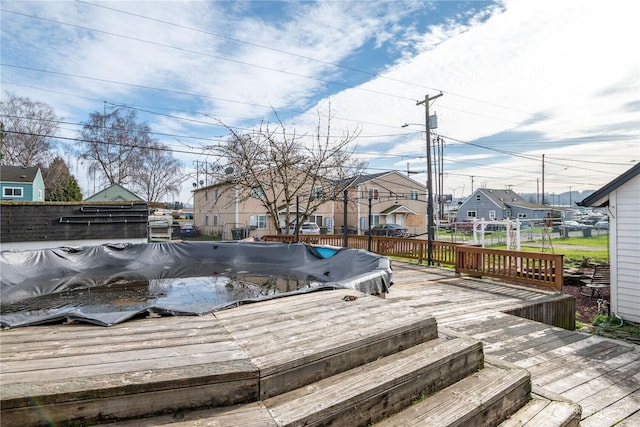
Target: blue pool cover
(186,278)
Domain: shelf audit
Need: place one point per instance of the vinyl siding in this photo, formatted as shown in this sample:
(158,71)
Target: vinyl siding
(624,204)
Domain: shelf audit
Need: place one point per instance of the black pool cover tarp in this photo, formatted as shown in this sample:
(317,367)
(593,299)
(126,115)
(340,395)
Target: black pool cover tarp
(29,275)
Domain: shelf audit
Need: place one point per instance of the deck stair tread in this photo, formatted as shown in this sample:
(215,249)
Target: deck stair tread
(489,395)
(545,409)
(354,397)
(372,391)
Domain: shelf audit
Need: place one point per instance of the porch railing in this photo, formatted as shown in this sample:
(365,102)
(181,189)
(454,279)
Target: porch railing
(538,269)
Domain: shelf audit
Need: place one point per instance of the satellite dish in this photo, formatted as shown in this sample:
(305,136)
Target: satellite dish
(201,182)
(195,185)
(228,170)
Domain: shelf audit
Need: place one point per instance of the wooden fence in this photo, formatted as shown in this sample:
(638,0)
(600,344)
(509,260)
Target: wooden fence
(538,269)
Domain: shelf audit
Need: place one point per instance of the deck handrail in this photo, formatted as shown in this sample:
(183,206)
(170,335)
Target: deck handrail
(540,269)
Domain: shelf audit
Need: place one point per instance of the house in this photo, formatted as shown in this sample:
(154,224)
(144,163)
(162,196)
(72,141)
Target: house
(622,199)
(395,198)
(500,204)
(114,193)
(21,184)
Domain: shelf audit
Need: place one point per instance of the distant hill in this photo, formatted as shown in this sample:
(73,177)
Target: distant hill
(561,199)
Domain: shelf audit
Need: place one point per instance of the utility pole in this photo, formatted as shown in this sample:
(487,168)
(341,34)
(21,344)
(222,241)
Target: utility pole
(429,178)
(543,179)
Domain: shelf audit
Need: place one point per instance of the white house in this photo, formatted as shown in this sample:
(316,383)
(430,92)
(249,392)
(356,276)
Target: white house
(622,198)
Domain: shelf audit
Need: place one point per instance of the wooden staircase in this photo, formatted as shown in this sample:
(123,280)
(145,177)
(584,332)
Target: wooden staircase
(331,358)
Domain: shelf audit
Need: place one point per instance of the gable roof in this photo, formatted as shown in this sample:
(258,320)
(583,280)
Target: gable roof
(114,193)
(507,198)
(362,178)
(18,174)
(601,197)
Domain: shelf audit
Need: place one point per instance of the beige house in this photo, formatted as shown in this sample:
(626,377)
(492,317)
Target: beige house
(222,209)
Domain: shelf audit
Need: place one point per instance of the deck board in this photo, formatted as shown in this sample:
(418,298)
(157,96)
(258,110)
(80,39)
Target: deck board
(600,374)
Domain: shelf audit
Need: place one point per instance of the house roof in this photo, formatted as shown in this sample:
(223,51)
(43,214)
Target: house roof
(601,197)
(362,178)
(18,173)
(114,193)
(505,199)
(397,209)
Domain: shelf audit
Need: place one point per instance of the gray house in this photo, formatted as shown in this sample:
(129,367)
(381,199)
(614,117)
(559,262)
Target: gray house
(499,204)
(21,184)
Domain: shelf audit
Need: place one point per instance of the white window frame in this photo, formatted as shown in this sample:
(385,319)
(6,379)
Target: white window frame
(492,214)
(413,195)
(261,222)
(14,192)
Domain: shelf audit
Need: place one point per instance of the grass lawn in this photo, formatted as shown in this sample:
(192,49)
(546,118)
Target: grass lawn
(576,250)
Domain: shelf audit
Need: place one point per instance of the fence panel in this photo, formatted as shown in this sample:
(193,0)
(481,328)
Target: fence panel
(524,267)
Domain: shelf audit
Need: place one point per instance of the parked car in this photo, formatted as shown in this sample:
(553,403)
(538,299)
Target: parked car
(189,230)
(309,228)
(390,230)
(601,225)
(175,229)
(572,225)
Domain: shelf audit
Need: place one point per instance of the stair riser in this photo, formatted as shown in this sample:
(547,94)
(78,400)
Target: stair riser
(92,411)
(282,382)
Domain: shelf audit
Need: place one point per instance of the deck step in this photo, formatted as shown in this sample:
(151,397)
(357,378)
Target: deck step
(232,357)
(485,398)
(371,392)
(546,409)
(357,397)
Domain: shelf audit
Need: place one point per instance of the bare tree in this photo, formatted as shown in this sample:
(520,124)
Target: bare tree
(114,143)
(122,150)
(28,131)
(286,171)
(160,174)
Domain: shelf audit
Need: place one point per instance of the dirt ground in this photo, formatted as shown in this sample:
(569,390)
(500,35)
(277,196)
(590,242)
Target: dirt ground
(588,308)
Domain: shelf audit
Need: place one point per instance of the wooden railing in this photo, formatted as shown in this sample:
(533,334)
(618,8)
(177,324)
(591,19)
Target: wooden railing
(522,267)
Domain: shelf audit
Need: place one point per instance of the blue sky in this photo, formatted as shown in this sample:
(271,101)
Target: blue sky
(519,79)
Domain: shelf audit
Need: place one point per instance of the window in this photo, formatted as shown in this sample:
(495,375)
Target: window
(215,194)
(12,192)
(261,221)
(206,220)
(316,193)
(316,218)
(492,214)
(206,195)
(414,195)
(40,195)
(373,193)
(375,220)
(257,193)
(471,214)
(522,215)
(477,197)
(215,220)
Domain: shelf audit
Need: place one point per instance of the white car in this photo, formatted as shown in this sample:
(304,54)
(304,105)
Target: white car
(309,228)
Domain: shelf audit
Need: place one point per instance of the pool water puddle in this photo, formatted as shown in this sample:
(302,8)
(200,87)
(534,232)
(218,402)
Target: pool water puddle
(173,292)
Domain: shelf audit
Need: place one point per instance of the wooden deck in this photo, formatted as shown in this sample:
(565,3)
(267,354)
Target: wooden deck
(252,351)
(601,375)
